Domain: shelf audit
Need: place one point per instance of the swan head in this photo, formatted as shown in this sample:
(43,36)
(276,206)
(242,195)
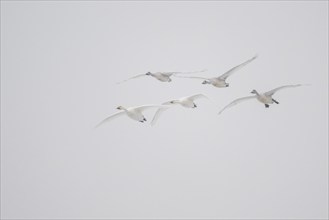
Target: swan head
(254,92)
(206,82)
(148,73)
(173,102)
(120,108)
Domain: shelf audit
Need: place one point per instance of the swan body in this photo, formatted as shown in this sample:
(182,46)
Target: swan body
(187,102)
(220,81)
(134,113)
(217,82)
(161,76)
(264,98)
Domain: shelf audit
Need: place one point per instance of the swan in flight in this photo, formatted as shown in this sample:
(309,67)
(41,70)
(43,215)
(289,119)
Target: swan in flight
(220,81)
(187,102)
(134,113)
(265,98)
(161,76)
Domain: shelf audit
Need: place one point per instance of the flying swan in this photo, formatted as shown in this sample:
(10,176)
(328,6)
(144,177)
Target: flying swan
(265,98)
(187,102)
(161,76)
(134,113)
(220,82)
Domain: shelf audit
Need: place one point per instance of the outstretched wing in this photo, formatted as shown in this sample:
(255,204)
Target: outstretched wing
(134,77)
(193,77)
(110,118)
(144,107)
(175,73)
(159,112)
(271,92)
(199,71)
(234,69)
(236,102)
(197,96)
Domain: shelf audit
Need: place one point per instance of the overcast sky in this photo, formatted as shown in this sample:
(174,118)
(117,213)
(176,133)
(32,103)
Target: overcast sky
(60,62)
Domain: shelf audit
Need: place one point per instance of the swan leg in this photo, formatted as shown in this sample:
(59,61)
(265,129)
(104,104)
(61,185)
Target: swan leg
(194,105)
(267,105)
(275,101)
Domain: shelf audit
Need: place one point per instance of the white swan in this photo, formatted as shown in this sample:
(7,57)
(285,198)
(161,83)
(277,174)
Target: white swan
(187,102)
(220,81)
(161,76)
(134,113)
(265,98)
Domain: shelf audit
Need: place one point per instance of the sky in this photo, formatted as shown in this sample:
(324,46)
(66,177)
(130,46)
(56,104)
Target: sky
(60,62)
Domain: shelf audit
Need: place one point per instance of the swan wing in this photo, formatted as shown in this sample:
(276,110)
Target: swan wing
(199,71)
(236,101)
(234,69)
(193,77)
(175,73)
(115,115)
(271,92)
(144,107)
(134,77)
(197,96)
(159,113)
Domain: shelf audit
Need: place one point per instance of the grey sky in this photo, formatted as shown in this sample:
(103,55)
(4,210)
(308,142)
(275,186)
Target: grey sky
(60,62)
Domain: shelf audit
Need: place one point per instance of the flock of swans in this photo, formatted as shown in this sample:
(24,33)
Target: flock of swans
(136,113)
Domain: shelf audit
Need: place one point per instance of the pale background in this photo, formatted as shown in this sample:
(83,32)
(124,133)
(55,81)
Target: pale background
(60,62)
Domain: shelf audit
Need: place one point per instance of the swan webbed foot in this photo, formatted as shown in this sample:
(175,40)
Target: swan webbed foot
(143,120)
(267,106)
(194,106)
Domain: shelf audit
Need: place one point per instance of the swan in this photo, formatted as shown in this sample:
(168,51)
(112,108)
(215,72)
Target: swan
(187,102)
(220,81)
(161,76)
(134,113)
(265,98)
